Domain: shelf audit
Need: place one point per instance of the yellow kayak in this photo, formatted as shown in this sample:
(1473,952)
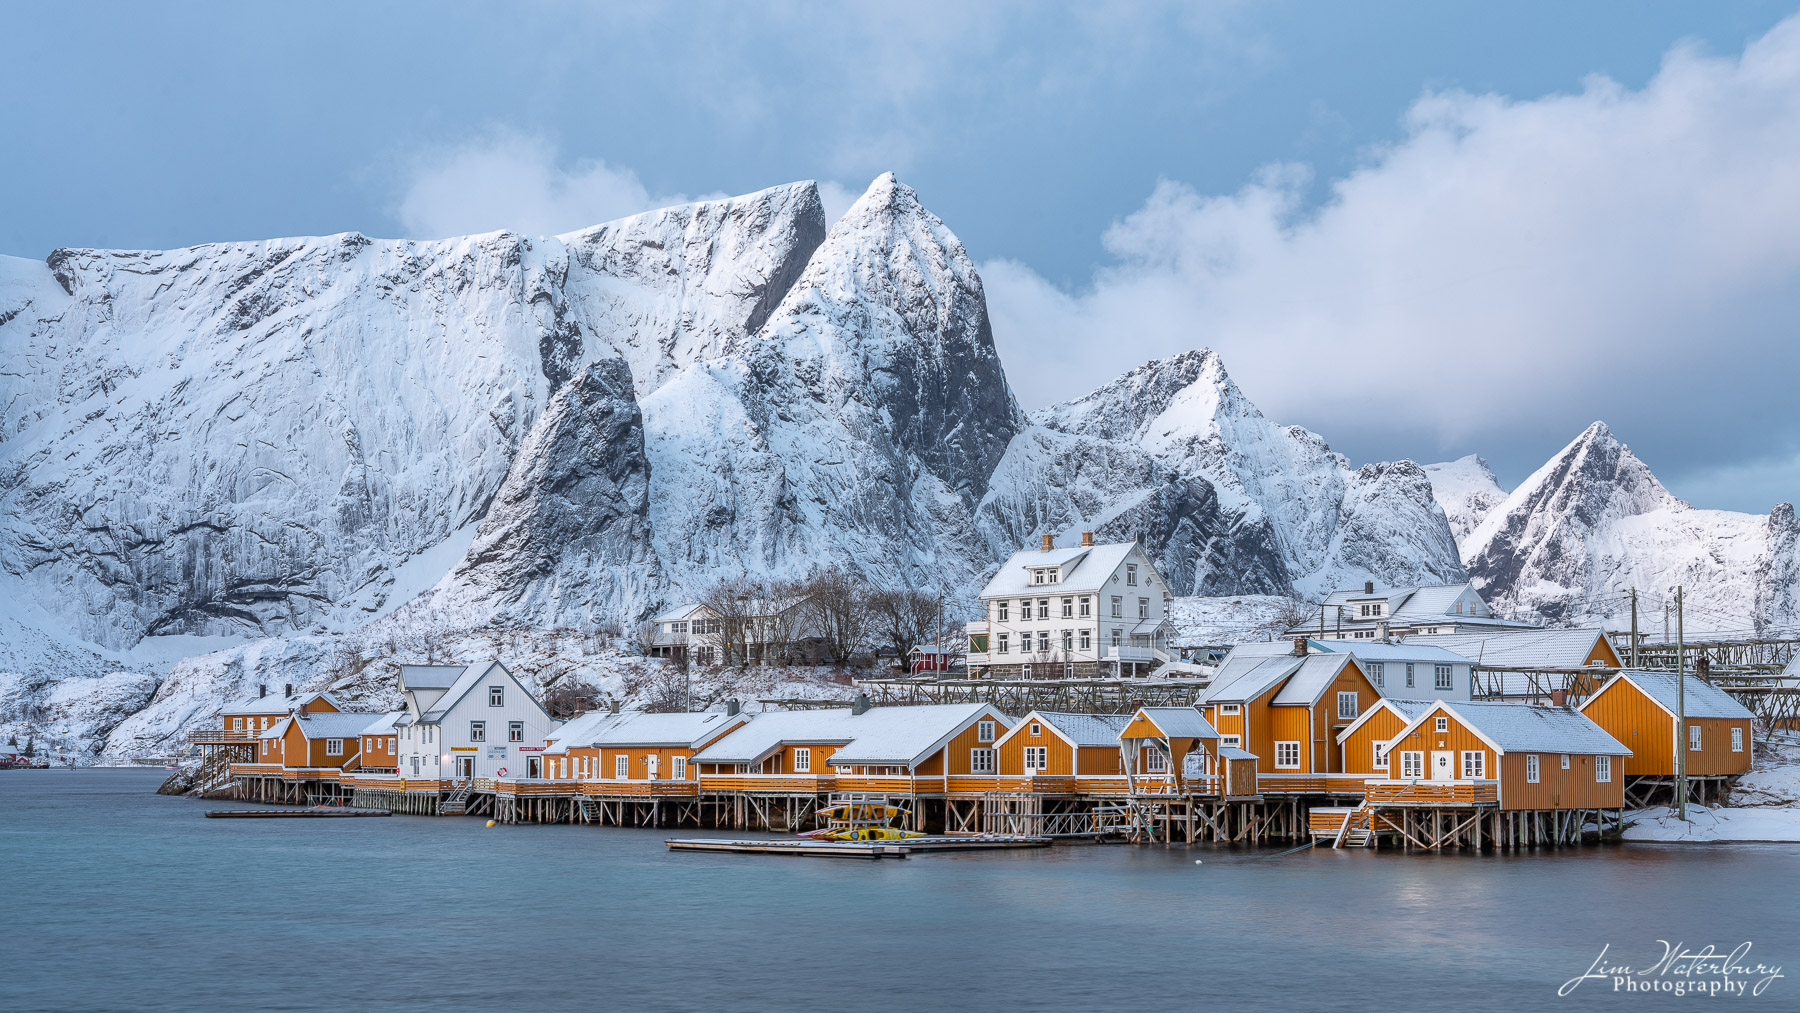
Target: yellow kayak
(866,834)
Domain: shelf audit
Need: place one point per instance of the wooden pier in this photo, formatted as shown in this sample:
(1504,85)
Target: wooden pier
(319,812)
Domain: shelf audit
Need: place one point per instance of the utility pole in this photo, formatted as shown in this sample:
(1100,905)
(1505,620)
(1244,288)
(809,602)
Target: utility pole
(1681,731)
(1634,633)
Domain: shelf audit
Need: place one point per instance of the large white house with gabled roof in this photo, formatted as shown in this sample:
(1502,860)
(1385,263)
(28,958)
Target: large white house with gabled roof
(1074,612)
(1375,613)
(464,721)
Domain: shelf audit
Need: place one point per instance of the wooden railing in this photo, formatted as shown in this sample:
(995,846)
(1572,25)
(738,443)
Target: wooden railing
(1311,784)
(893,784)
(641,789)
(221,736)
(256,769)
(1386,792)
(786,784)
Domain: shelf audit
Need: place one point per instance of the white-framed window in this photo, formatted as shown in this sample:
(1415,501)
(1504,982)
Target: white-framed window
(1531,768)
(478,731)
(1602,768)
(1441,724)
(1229,741)
(1024,610)
(1375,672)
(1025,670)
(1347,705)
(984,731)
(496,696)
(237,724)
(1155,761)
(1693,738)
(1565,761)
(621,767)
(1002,611)
(1412,763)
(1043,608)
(1380,759)
(802,760)
(1231,708)
(1068,640)
(1143,608)
(1037,576)
(390,743)
(1115,636)
(1036,729)
(1068,670)
(415,766)
(1287,755)
(1474,763)
(1118,604)
(1087,640)
(679,768)
(981,761)
(334,747)
(1037,758)
(1737,740)
(1068,608)
(515,731)
(1043,641)
(1442,677)
(1001,644)
(1087,607)
(1409,675)
(1130,574)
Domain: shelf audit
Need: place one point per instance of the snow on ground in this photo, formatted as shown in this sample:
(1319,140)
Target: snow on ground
(1204,622)
(1766,804)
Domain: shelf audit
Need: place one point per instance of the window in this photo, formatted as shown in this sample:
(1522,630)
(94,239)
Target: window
(237,723)
(1459,608)
(802,760)
(1087,640)
(390,743)
(1409,675)
(415,766)
(1375,672)
(680,768)
(1037,758)
(1068,608)
(621,766)
(515,731)
(1346,705)
(1037,576)
(1693,738)
(981,761)
(1737,740)
(1474,763)
(1043,608)
(334,747)
(1229,741)
(1442,724)
(1531,768)
(496,696)
(1024,610)
(1087,608)
(1565,761)
(1001,646)
(984,731)
(1068,640)
(1043,641)
(1231,708)
(1037,729)
(1443,677)
(1118,607)
(1287,755)
(1380,761)
(1025,670)
(478,731)
(1412,763)
(1115,636)
(1602,768)
(1155,761)
(1002,611)
(1143,608)
(1130,574)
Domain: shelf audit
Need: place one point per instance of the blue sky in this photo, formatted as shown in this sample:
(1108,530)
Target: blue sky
(1278,180)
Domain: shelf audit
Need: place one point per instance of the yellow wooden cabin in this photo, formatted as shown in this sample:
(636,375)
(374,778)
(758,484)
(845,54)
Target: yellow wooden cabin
(1518,756)
(1287,710)
(1362,745)
(613,749)
(1639,709)
(1156,745)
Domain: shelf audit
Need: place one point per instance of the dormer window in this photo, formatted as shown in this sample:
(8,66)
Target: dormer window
(1046,574)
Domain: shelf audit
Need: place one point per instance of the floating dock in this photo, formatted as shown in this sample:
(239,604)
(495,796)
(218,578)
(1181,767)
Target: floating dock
(898,848)
(331,812)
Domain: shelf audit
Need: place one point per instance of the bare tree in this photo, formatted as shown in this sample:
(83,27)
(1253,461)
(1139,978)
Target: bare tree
(903,619)
(836,609)
(571,698)
(643,637)
(758,619)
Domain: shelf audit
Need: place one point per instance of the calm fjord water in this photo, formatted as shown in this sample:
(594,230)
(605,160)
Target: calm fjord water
(119,899)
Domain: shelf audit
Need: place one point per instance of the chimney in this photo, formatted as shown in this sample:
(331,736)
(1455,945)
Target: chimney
(302,709)
(1299,647)
(1087,539)
(1381,631)
(287,689)
(861,706)
(1368,587)
(1559,698)
(1049,542)
(732,707)
(262,690)
(614,707)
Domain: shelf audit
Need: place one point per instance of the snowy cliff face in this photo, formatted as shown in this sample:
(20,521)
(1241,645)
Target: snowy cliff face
(1280,511)
(1594,522)
(1467,490)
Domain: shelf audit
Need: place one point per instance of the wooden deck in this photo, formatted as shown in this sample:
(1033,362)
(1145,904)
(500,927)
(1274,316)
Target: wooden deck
(1460,794)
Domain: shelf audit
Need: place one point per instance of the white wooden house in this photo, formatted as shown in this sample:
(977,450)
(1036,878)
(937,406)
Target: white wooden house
(466,721)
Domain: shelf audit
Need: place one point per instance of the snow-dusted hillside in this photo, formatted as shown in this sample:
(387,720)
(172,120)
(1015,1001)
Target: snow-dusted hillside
(1594,522)
(1173,454)
(1467,490)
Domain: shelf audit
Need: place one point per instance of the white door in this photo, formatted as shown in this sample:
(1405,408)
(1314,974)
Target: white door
(465,766)
(1443,765)
(652,760)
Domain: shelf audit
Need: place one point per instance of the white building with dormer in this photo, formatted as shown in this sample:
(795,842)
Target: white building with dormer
(1372,613)
(1079,612)
(464,721)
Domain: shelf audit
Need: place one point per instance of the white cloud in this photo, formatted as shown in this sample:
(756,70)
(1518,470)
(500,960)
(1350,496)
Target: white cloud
(1504,273)
(509,181)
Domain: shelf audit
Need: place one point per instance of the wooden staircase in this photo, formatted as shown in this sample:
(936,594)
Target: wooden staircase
(1358,828)
(456,803)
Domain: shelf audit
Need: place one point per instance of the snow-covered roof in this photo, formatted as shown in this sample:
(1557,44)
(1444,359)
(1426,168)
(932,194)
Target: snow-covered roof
(1406,710)
(1242,679)
(1703,700)
(468,677)
(272,704)
(429,676)
(1084,568)
(678,613)
(1080,729)
(384,725)
(1377,651)
(276,730)
(1234,753)
(1315,674)
(579,731)
(335,725)
(907,735)
(1179,722)
(1532,648)
(663,730)
(770,730)
(1527,728)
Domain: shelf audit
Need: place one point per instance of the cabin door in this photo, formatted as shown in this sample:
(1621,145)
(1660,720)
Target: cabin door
(465,766)
(1443,765)
(534,766)
(651,761)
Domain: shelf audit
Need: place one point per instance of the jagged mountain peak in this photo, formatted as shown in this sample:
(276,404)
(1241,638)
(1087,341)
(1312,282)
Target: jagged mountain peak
(1467,490)
(1593,479)
(1186,393)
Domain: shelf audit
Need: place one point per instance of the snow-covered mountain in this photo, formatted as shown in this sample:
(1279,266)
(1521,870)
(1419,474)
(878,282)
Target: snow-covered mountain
(1594,522)
(1467,490)
(1228,502)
